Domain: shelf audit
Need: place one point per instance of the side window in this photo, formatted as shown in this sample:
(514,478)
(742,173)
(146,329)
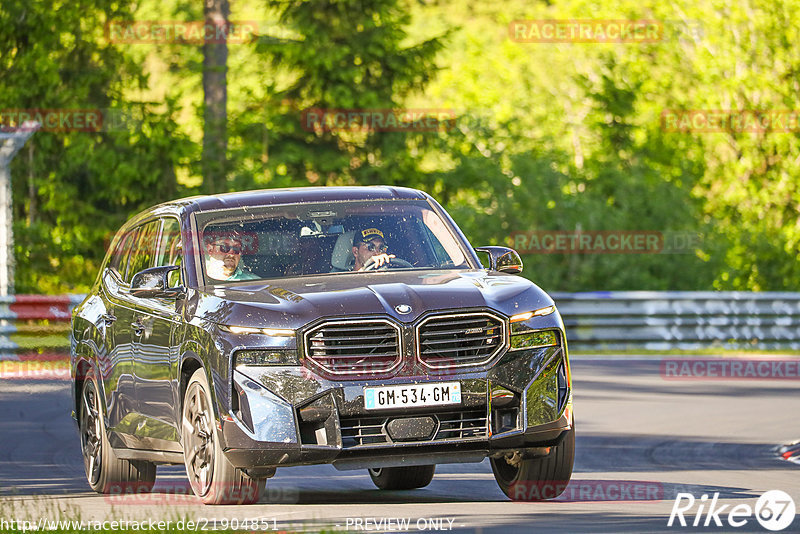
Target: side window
(121,255)
(143,252)
(169,250)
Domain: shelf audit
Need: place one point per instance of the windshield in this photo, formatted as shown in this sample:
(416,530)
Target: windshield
(324,238)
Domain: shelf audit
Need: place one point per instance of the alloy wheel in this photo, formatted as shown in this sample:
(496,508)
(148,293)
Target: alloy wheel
(91,442)
(200,440)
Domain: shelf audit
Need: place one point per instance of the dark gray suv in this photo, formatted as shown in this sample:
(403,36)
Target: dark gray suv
(355,326)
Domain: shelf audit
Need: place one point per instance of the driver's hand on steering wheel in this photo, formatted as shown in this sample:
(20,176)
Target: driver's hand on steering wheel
(377,261)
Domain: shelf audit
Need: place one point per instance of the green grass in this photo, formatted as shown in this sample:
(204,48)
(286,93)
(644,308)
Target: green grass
(42,341)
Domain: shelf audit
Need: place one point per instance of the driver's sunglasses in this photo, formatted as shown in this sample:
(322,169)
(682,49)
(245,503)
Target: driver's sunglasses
(225,248)
(380,248)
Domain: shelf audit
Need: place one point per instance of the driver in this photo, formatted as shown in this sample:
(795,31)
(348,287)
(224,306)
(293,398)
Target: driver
(369,250)
(224,258)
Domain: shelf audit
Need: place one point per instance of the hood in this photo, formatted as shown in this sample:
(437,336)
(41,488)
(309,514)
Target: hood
(294,302)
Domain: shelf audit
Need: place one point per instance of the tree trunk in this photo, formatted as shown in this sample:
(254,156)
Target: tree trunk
(215,96)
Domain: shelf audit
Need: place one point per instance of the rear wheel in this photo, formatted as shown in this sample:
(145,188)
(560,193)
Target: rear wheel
(402,478)
(212,477)
(537,479)
(105,472)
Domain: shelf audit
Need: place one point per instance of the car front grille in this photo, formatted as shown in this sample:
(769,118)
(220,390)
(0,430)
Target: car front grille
(354,348)
(371,430)
(446,341)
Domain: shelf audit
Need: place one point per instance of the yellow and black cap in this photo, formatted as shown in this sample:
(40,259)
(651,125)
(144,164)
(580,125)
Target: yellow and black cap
(366,235)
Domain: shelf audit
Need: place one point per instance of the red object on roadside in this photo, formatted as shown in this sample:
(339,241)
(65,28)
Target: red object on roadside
(37,307)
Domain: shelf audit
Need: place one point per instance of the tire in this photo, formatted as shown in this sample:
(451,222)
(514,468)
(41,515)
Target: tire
(212,477)
(104,471)
(537,479)
(402,478)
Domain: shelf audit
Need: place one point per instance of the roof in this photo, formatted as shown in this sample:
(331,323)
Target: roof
(303,194)
(264,197)
(293,195)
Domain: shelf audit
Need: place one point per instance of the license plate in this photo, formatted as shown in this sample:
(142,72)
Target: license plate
(382,397)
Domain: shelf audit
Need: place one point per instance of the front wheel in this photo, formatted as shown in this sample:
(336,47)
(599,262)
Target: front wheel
(105,472)
(402,478)
(537,479)
(212,477)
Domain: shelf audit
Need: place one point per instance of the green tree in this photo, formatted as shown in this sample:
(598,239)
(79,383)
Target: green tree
(349,54)
(215,99)
(85,184)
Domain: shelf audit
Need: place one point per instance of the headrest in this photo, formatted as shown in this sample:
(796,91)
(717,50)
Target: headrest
(342,256)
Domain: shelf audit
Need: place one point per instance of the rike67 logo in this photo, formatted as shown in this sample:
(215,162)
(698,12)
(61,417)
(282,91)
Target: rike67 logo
(774,510)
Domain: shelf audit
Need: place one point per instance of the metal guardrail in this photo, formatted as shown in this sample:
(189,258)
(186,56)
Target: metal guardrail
(690,320)
(34,324)
(38,307)
(614,320)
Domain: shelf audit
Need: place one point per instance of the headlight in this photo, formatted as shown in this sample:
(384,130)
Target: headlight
(533,340)
(535,313)
(277,332)
(524,337)
(266,357)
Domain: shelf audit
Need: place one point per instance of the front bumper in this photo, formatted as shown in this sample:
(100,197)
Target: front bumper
(287,416)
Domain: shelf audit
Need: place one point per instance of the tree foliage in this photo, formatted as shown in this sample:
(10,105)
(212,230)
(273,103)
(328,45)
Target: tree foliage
(548,136)
(79,186)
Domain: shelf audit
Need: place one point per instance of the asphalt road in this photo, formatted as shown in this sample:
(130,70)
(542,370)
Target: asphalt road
(641,441)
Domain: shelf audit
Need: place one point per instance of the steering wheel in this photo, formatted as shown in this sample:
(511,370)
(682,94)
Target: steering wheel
(396,262)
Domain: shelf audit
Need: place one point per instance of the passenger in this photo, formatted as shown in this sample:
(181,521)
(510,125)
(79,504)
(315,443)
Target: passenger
(224,258)
(369,250)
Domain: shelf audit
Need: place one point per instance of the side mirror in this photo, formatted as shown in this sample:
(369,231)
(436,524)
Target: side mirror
(503,259)
(154,283)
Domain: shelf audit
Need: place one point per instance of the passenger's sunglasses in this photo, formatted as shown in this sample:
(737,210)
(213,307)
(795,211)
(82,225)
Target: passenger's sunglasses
(225,248)
(380,248)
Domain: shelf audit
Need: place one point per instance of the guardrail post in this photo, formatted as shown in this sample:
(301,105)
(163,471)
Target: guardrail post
(11,144)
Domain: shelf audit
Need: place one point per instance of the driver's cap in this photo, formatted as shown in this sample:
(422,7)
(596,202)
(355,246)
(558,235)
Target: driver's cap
(367,235)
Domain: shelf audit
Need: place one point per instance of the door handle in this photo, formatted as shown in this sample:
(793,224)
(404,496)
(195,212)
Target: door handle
(108,318)
(138,328)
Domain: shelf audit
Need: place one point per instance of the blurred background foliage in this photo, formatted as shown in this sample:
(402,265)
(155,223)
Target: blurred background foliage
(548,136)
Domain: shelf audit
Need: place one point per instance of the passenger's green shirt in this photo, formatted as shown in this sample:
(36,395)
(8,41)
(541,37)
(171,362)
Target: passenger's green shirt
(238,274)
(241,274)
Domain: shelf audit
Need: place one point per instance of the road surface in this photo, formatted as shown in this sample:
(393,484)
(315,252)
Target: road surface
(642,440)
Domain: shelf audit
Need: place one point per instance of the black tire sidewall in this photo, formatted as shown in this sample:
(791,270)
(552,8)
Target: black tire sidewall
(403,478)
(117,476)
(532,482)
